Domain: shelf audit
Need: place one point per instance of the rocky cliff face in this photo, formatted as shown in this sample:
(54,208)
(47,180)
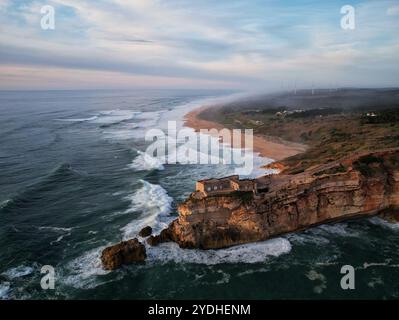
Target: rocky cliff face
(364,185)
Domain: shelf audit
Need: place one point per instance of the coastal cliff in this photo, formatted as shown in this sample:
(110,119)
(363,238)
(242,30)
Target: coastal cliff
(363,185)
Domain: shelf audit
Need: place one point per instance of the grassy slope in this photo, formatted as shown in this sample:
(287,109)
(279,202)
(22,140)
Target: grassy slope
(332,124)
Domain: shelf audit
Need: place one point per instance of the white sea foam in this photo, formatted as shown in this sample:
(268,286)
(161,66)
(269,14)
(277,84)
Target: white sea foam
(252,271)
(220,154)
(123,134)
(154,204)
(384,223)
(134,129)
(145,162)
(59,239)
(55,229)
(305,238)
(115,116)
(4,290)
(248,253)
(78,119)
(108,117)
(319,278)
(322,234)
(18,272)
(84,269)
(177,113)
(375,281)
(65,232)
(225,277)
(148,119)
(189,155)
(4,203)
(338,229)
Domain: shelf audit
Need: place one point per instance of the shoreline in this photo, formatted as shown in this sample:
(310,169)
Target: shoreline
(267,147)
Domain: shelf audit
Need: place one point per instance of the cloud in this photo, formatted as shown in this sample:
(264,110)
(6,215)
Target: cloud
(14,77)
(393,11)
(229,43)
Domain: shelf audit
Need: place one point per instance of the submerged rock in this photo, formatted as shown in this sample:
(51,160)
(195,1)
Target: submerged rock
(123,253)
(145,232)
(390,216)
(164,236)
(153,240)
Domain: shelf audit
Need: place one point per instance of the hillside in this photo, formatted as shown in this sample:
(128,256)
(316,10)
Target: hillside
(334,124)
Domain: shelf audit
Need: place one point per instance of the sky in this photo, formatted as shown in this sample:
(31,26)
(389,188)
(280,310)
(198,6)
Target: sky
(207,44)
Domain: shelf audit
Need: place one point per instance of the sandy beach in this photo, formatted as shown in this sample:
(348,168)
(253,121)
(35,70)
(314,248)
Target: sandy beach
(266,147)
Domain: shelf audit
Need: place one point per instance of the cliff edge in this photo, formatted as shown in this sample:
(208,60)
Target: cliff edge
(363,185)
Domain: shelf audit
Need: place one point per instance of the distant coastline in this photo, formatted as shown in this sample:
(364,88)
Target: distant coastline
(265,146)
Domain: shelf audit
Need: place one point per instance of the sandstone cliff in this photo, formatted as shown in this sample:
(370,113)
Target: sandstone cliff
(363,185)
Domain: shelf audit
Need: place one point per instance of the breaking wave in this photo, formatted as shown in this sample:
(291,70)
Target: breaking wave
(18,272)
(5,203)
(84,269)
(130,126)
(107,118)
(319,279)
(144,162)
(154,204)
(56,229)
(79,119)
(248,253)
(4,290)
(63,232)
(384,223)
(114,117)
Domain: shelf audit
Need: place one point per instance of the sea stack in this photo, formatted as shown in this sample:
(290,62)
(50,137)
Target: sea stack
(123,253)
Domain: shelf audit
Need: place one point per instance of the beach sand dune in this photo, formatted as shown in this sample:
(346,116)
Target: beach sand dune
(266,146)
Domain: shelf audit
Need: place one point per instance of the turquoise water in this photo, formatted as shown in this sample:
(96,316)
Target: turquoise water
(73,180)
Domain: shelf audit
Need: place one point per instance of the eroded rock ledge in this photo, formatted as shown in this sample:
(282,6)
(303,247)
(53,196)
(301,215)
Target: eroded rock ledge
(363,185)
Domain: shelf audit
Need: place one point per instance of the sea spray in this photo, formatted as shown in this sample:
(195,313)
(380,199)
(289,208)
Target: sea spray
(4,290)
(257,252)
(145,162)
(154,204)
(83,271)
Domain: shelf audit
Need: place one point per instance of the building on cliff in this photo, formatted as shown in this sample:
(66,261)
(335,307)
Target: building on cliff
(361,185)
(209,187)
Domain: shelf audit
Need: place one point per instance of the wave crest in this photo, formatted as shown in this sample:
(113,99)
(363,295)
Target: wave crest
(4,290)
(18,272)
(257,252)
(145,162)
(154,204)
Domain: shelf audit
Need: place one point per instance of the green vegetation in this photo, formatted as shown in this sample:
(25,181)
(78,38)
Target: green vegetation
(333,125)
(383,116)
(370,159)
(368,165)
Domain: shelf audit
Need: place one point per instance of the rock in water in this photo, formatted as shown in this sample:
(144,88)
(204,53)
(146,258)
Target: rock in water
(145,232)
(390,216)
(153,241)
(164,236)
(124,253)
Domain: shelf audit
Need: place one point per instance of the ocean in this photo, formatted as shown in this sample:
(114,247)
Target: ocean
(74,179)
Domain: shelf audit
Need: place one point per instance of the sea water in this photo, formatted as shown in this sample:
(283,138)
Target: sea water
(74,178)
